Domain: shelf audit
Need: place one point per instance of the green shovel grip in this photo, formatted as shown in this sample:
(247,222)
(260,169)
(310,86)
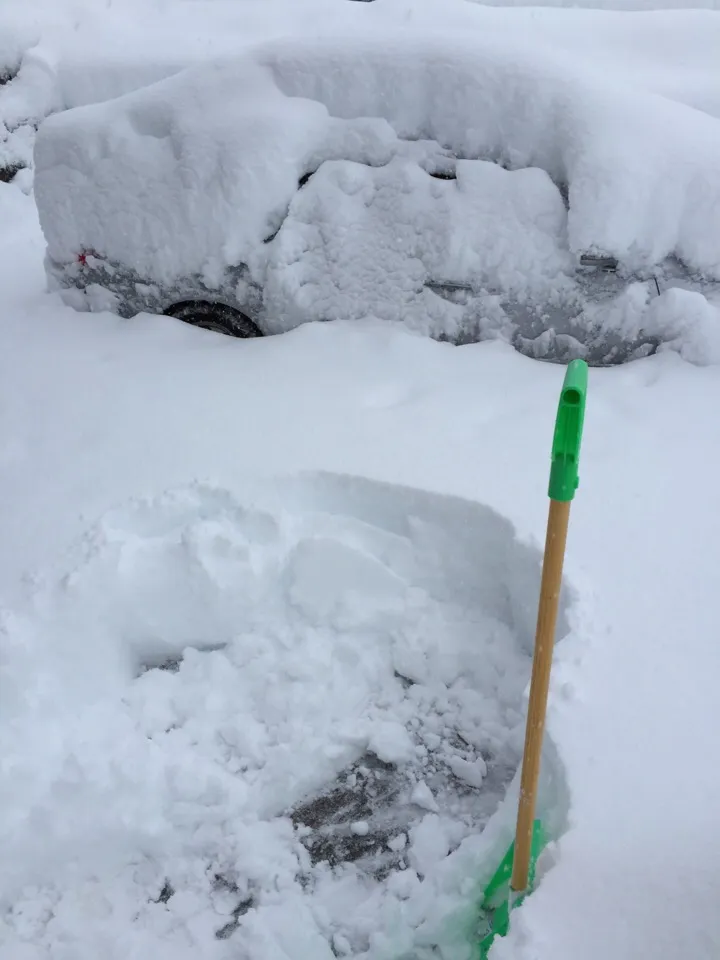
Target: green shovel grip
(568,433)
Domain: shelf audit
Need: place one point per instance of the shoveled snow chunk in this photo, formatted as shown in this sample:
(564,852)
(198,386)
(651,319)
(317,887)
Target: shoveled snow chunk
(428,843)
(422,797)
(398,843)
(391,742)
(470,772)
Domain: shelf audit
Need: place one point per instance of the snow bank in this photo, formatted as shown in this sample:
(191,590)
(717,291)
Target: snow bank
(298,627)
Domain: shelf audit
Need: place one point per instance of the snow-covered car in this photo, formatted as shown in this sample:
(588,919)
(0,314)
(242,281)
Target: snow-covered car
(346,180)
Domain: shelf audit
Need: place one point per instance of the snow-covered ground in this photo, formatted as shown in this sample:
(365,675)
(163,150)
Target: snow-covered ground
(232,572)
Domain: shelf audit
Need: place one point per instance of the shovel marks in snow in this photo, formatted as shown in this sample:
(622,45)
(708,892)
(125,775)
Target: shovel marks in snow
(318,679)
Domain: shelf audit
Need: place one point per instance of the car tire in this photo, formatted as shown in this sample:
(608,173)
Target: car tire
(214,316)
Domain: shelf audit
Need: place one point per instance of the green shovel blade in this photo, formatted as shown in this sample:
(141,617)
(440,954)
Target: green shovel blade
(496,904)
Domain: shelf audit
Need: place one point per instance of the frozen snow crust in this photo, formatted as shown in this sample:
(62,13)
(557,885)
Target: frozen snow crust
(172,688)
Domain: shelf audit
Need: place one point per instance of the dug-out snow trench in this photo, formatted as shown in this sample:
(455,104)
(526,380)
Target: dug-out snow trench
(341,660)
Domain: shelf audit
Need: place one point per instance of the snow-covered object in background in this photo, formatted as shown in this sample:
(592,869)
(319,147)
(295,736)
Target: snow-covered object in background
(28,92)
(188,190)
(87,51)
(104,50)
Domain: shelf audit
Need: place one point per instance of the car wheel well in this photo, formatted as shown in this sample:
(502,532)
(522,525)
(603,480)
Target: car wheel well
(214,315)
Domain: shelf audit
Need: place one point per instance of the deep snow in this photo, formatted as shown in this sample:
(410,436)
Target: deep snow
(160,405)
(149,487)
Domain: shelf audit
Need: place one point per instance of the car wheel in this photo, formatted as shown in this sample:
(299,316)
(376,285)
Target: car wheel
(214,316)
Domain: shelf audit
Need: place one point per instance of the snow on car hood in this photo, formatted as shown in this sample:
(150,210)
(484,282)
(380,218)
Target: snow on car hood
(192,174)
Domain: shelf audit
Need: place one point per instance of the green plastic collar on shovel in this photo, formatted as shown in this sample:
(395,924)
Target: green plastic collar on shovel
(568,433)
(515,875)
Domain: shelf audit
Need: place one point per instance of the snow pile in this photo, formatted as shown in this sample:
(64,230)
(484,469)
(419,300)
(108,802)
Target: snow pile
(170,685)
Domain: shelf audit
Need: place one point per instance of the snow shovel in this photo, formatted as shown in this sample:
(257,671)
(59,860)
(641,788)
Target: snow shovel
(515,876)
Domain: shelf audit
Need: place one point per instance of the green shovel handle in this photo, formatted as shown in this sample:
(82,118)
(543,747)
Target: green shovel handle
(568,433)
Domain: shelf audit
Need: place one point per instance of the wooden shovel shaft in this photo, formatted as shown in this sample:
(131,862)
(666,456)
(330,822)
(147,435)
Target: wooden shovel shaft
(539,685)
